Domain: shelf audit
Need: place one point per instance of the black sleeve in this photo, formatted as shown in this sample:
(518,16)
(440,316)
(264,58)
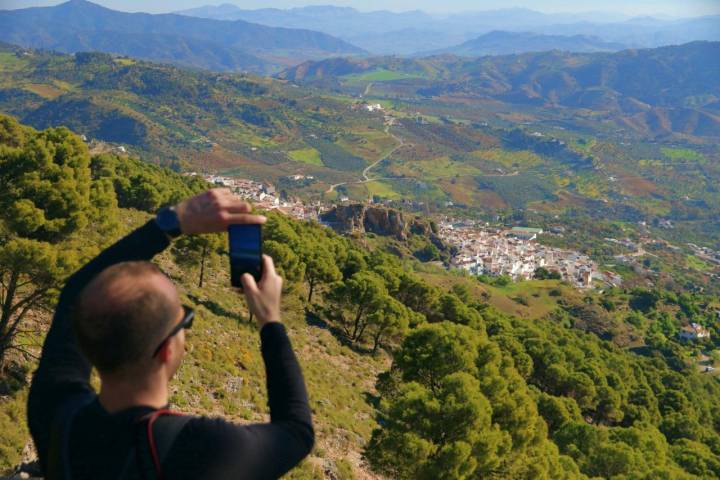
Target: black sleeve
(63,370)
(215,448)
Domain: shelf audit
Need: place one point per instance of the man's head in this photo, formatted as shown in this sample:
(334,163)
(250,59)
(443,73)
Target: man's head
(122,316)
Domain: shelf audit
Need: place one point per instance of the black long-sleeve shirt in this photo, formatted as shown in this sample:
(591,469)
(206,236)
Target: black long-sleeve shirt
(205,447)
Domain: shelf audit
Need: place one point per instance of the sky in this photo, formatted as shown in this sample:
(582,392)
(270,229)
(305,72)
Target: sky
(674,8)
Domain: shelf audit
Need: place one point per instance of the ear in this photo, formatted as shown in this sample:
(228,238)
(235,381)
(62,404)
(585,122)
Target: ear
(165,353)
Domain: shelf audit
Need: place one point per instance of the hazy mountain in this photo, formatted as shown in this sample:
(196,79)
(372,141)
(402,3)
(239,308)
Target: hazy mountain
(344,22)
(505,43)
(644,31)
(657,91)
(79,25)
(406,33)
(388,32)
(378,32)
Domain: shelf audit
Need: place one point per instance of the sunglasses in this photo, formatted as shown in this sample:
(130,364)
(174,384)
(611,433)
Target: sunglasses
(186,322)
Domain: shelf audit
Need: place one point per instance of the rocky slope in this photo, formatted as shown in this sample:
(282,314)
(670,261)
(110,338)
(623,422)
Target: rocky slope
(388,222)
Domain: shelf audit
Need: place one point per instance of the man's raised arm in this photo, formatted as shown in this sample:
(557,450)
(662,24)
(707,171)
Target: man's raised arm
(269,450)
(63,370)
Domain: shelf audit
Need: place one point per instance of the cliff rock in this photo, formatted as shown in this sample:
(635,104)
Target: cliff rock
(379,220)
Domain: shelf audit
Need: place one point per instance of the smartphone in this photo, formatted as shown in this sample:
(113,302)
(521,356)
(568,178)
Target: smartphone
(245,252)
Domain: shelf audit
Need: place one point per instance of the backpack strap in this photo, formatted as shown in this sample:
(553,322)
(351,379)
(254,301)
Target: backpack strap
(160,441)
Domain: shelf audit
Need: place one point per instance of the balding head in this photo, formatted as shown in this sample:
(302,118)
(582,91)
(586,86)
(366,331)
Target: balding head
(123,314)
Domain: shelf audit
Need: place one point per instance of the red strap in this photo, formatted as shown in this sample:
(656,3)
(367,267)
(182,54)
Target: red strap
(151,438)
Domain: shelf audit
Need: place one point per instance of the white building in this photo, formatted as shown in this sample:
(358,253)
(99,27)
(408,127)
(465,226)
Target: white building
(693,332)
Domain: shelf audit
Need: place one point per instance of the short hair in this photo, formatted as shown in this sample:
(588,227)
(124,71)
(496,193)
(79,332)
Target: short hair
(120,318)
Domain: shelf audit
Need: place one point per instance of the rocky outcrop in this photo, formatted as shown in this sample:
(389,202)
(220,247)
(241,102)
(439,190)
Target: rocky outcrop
(379,220)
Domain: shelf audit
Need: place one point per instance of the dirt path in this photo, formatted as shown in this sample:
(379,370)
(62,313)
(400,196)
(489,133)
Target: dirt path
(401,143)
(367,169)
(367,89)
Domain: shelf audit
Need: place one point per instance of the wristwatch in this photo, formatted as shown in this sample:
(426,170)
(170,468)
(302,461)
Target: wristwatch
(168,222)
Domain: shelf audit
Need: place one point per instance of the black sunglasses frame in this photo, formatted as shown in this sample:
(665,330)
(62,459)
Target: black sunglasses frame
(185,323)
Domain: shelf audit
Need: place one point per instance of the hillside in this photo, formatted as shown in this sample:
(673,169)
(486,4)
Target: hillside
(78,25)
(211,121)
(466,156)
(680,98)
(507,43)
(439,376)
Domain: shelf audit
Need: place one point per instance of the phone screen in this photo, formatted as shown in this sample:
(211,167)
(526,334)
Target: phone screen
(245,252)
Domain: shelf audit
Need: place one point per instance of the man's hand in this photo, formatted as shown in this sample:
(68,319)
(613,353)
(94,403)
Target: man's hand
(213,211)
(264,297)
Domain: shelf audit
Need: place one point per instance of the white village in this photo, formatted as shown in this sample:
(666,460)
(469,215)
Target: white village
(480,249)
(515,252)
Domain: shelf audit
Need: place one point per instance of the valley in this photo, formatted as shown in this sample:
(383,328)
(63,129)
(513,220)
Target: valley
(478,158)
(500,246)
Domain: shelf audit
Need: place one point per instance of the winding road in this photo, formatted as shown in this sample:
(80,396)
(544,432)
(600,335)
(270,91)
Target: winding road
(401,143)
(366,172)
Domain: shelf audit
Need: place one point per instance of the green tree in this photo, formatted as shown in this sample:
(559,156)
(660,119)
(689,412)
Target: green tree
(391,319)
(198,250)
(452,308)
(417,295)
(354,263)
(30,271)
(358,301)
(696,458)
(542,273)
(434,351)
(144,186)
(557,411)
(51,215)
(287,262)
(320,265)
(462,291)
(441,433)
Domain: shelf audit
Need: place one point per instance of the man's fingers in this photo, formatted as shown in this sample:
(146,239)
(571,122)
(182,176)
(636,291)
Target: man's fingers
(243,219)
(238,206)
(268,272)
(249,285)
(268,265)
(220,191)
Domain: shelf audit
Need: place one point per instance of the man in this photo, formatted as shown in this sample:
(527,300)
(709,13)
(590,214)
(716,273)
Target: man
(123,316)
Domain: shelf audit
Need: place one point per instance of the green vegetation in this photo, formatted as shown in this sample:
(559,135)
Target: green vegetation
(306,155)
(223,372)
(678,155)
(382,190)
(447,151)
(472,389)
(335,156)
(187,118)
(427,374)
(379,75)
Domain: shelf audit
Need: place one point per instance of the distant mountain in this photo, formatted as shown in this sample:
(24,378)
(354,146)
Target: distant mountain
(338,21)
(387,32)
(79,25)
(653,91)
(643,31)
(506,43)
(408,33)
(378,32)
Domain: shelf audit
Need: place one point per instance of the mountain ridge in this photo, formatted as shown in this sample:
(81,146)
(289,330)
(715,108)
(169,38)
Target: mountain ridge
(660,91)
(500,42)
(79,25)
(414,32)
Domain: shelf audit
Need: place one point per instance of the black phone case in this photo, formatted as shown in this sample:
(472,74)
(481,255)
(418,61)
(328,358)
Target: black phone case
(236,273)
